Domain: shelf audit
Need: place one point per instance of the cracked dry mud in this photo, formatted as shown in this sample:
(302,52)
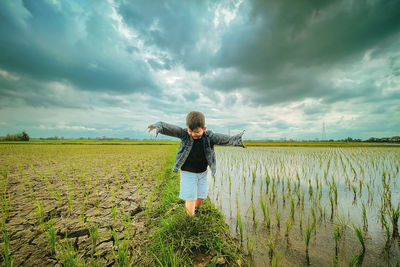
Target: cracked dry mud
(78,186)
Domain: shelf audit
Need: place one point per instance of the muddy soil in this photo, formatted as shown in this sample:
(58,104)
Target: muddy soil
(79,186)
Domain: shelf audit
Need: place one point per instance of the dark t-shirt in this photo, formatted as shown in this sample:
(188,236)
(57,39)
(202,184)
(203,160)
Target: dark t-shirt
(196,161)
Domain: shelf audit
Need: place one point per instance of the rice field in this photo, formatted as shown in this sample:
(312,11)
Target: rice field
(77,205)
(311,206)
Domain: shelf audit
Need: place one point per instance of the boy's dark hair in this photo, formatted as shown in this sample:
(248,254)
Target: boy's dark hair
(195,119)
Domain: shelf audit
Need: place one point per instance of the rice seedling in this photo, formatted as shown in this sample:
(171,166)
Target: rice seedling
(69,256)
(82,214)
(267,217)
(70,203)
(252,193)
(370,195)
(250,245)
(39,212)
(354,260)
(364,217)
(332,205)
(275,260)
(273,190)
(264,209)
(336,236)
(8,261)
(320,209)
(394,218)
(354,187)
(122,257)
(334,189)
(292,209)
(361,182)
(51,236)
(253,211)
(301,219)
(94,234)
(307,235)
(325,212)
(278,218)
(271,245)
(314,217)
(360,237)
(114,214)
(289,224)
(298,195)
(239,224)
(386,227)
(302,198)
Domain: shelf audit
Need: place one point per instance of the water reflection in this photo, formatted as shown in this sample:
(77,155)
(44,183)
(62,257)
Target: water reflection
(279,191)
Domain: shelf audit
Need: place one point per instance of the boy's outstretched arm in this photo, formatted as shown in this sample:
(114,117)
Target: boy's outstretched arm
(167,129)
(226,140)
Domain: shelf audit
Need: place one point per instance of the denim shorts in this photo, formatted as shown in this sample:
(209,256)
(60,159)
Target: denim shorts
(193,185)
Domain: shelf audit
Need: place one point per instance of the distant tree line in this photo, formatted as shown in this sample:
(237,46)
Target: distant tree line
(394,139)
(15,137)
(25,137)
(84,138)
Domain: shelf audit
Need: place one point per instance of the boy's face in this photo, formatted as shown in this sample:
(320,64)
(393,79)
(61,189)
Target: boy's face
(196,133)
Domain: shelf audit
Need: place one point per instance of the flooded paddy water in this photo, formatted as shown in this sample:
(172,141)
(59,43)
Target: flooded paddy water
(311,206)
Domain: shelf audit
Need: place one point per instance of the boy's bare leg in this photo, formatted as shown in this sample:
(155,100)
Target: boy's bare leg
(190,204)
(199,201)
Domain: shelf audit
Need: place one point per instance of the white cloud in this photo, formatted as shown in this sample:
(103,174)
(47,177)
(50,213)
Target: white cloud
(9,75)
(64,127)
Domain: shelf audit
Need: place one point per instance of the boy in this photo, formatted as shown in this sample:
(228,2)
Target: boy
(195,153)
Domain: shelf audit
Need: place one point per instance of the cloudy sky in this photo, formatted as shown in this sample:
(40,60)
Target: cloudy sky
(277,69)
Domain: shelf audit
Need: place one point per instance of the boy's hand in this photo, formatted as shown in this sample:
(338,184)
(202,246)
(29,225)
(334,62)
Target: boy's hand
(151,128)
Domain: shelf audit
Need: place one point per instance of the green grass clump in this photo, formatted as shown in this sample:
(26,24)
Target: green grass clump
(177,238)
(181,236)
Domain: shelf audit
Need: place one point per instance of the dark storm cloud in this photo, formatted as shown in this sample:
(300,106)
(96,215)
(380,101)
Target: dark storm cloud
(172,26)
(307,33)
(284,46)
(311,109)
(27,91)
(72,41)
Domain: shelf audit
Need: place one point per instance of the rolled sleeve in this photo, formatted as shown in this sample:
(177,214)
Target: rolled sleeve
(226,140)
(158,126)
